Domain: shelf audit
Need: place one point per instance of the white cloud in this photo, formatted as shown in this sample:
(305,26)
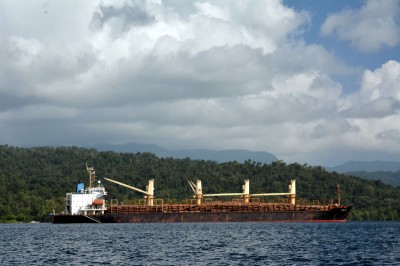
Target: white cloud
(368,29)
(379,94)
(375,110)
(214,74)
(383,82)
(24,50)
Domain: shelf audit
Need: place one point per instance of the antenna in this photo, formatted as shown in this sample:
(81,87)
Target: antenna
(92,174)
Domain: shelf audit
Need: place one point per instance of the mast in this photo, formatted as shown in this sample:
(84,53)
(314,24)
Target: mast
(92,174)
(246,191)
(292,192)
(197,189)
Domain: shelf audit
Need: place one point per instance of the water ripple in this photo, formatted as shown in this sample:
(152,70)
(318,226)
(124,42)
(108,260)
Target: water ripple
(361,243)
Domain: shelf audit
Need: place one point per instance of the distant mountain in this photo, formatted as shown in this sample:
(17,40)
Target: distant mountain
(390,178)
(131,148)
(200,154)
(385,171)
(365,166)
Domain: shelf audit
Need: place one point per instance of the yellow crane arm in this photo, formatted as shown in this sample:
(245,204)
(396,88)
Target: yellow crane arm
(125,185)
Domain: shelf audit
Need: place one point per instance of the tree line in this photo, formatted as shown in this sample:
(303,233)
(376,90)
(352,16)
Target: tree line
(33,181)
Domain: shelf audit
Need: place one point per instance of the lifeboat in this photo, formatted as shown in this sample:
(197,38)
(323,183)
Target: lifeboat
(98,202)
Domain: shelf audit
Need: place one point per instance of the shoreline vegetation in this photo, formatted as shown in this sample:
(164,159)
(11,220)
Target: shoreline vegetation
(33,181)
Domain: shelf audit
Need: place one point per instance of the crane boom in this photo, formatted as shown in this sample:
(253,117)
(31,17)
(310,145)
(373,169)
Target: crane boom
(127,186)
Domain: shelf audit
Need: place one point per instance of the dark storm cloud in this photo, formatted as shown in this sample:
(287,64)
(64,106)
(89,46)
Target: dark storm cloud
(217,72)
(131,15)
(392,134)
(9,101)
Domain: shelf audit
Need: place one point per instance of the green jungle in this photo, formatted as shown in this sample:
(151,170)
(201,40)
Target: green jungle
(33,181)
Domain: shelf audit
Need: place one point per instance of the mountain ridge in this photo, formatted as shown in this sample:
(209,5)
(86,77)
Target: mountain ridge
(386,171)
(220,156)
(366,166)
(240,155)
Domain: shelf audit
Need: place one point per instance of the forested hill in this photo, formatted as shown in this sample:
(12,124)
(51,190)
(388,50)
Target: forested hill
(33,181)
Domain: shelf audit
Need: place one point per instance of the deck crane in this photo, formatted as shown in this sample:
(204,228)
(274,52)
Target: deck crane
(149,194)
(198,193)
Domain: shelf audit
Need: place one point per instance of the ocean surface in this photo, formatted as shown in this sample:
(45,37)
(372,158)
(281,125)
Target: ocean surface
(351,243)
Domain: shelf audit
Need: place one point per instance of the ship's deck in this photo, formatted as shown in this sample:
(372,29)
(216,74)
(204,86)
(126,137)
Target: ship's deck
(217,207)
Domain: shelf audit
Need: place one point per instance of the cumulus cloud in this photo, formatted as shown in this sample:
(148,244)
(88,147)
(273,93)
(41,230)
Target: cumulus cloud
(378,108)
(379,95)
(205,74)
(368,29)
(375,109)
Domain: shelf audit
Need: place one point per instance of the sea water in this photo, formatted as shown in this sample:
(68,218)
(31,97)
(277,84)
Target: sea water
(351,243)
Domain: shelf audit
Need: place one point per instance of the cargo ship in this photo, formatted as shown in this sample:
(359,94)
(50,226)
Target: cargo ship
(89,206)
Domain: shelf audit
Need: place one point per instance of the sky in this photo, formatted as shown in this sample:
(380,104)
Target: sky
(314,82)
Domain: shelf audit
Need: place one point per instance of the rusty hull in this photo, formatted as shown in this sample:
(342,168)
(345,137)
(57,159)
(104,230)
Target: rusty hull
(213,213)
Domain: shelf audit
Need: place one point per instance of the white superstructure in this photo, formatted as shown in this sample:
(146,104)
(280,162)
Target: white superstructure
(86,201)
